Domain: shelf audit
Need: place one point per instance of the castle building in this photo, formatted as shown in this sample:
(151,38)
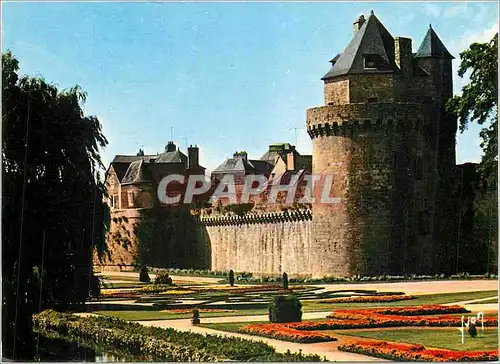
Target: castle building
(281,160)
(386,138)
(132,182)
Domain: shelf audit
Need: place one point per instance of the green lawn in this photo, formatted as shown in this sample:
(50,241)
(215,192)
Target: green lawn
(432,338)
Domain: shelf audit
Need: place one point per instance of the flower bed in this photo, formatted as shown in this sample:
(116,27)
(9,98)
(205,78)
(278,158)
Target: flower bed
(306,331)
(108,294)
(246,289)
(360,299)
(201,310)
(176,292)
(286,332)
(412,352)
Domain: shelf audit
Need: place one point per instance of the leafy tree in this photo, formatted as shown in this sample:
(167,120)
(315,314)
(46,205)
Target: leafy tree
(53,214)
(478,103)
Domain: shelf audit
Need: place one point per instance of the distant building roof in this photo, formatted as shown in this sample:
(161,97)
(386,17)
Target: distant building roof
(137,172)
(142,168)
(373,42)
(237,164)
(172,157)
(432,46)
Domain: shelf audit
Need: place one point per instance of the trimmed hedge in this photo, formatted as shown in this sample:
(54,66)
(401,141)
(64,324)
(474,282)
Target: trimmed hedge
(248,277)
(155,343)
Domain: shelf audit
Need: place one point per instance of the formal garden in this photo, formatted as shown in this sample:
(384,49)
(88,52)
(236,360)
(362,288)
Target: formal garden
(131,320)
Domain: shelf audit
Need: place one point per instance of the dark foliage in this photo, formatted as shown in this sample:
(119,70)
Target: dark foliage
(285,280)
(162,277)
(231,277)
(285,309)
(472,330)
(53,215)
(144,275)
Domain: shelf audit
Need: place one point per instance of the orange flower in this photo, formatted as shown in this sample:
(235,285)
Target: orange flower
(407,352)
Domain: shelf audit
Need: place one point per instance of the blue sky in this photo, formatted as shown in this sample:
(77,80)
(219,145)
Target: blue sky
(224,76)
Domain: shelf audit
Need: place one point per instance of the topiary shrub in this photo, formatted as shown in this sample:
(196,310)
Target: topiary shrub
(285,280)
(285,309)
(162,277)
(231,278)
(195,319)
(143,275)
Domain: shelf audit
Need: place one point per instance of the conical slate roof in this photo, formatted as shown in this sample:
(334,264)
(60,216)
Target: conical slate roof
(371,40)
(432,46)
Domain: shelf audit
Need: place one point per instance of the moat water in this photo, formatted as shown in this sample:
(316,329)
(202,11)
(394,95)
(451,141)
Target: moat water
(44,349)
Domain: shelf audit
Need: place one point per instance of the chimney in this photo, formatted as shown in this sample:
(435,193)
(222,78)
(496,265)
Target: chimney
(193,155)
(243,155)
(403,55)
(170,147)
(359,23)
(290,161)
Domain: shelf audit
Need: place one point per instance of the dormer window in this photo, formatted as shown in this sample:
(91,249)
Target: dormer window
(370,61)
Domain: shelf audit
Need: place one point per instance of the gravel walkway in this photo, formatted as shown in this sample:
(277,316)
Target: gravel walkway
(328,350)
(419,288)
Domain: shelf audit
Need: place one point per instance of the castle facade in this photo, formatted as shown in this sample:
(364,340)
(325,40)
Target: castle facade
(385,137)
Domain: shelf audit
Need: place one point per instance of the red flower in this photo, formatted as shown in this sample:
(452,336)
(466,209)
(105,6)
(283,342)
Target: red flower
(406,352)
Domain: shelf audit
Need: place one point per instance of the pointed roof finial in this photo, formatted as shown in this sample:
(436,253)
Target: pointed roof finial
(430,26)
(371,12)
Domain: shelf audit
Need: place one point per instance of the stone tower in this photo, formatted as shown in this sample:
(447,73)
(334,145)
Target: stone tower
(386,139)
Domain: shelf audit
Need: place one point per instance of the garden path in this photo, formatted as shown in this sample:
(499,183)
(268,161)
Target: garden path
(419,288)
(472,301)
(174,277)
(326,349)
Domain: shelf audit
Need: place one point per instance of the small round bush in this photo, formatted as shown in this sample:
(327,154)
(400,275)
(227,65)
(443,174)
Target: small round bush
(162,277)
(472,330)
(144,275)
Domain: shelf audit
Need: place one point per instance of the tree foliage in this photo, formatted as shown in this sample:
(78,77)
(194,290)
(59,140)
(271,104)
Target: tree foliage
(478,100)
(53,215)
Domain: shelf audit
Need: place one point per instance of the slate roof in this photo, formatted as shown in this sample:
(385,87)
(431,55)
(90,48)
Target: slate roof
(141,168)
(240,165)
(136,172)
(432,46)
(172,157)
(372,39)
(132,158)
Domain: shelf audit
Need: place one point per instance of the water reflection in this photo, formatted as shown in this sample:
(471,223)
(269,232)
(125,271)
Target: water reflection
(44,349)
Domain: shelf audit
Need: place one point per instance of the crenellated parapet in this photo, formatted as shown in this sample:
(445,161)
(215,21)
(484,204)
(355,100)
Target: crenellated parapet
(258,218)
(353,119)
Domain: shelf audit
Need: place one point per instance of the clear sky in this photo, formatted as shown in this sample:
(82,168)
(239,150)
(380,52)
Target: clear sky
(224,76)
